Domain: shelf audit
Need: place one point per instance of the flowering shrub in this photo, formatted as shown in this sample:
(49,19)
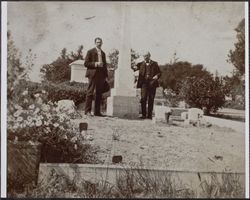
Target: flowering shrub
(33,120)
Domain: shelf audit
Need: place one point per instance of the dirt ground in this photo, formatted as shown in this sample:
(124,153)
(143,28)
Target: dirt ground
(175,147)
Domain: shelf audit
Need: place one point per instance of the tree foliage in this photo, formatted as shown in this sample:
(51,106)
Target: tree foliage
(15,69)
(206,92)
(59,70)
(134,56)
(237,56)
(173,74)
(113,58)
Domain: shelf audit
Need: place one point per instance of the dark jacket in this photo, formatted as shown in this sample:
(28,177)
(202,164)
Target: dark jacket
(154,70)
(90,59)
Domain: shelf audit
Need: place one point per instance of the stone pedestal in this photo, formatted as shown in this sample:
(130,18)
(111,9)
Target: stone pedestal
(78,72)
(123,101)
(123,106)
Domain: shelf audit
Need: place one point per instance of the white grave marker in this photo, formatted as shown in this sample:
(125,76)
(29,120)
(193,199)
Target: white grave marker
(195,114)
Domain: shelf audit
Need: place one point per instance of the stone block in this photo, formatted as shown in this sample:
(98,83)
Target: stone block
(117,159)
(184,115)
(123,106)
(160,111)
(195,114)
(83,126)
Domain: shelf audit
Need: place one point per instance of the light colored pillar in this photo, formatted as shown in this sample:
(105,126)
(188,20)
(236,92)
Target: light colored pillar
(123,101)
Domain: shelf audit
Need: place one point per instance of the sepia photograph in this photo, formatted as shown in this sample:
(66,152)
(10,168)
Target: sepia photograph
(126,99)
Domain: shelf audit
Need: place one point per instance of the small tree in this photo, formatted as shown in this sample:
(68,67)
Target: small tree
(237,56)
(206,92)
(173,74)
(59,70)
(113,57)
(15,68)
(134,57)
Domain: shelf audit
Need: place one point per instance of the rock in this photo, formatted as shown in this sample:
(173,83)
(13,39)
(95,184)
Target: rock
(208,125)
(66,104)
(144,147)
(218,157)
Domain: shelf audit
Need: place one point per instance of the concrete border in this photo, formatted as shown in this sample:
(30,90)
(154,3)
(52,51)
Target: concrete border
(111,173)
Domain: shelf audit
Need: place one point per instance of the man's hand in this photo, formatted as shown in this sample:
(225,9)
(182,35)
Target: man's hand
(135,68)
(98,64)
(155,77)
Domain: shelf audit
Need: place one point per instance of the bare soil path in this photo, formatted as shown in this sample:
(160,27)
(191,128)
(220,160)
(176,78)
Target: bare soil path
(167,146)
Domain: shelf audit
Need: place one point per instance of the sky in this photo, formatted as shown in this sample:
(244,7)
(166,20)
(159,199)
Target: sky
(199,32)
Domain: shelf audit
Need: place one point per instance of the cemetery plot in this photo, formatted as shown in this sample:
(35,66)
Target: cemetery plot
(166,146)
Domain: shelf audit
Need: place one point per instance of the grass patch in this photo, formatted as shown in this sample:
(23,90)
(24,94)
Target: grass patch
(139,184)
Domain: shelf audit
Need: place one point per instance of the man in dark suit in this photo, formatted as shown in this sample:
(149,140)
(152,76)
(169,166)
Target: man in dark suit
(149,73)
(97,72)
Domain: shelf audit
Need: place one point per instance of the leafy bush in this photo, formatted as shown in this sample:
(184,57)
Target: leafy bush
(206,93)
(173,74)
(235,105)
(59,71)
(66,90)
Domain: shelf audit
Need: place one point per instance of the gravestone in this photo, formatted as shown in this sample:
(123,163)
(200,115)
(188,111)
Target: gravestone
(195,114)
(123,101)
(78,72)
(160,111)
(184,115)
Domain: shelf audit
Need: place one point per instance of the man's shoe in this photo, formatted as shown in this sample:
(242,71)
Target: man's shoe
(149,117)
(142,117)
(99,115)
(88,114)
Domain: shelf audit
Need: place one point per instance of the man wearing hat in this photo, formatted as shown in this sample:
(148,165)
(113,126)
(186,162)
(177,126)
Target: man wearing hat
(97,72)
(149,73)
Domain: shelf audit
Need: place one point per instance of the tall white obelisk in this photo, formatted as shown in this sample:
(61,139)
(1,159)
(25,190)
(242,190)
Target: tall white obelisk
(123,101)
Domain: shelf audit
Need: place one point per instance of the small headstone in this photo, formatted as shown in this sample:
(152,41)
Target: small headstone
(186,122)
(195,114)
(160,112)
(117,159)
(184,115)
(83,126)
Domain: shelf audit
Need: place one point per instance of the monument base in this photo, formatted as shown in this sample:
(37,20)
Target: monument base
(123,106)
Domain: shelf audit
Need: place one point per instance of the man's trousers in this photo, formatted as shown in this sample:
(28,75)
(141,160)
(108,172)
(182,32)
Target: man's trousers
(147,97)
(95,88)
